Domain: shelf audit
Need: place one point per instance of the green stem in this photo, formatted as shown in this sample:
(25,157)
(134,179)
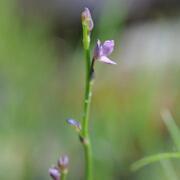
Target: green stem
(64,175)
(88,160)
(87,101)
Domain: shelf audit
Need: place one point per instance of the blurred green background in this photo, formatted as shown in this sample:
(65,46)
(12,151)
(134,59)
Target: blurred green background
(42,84)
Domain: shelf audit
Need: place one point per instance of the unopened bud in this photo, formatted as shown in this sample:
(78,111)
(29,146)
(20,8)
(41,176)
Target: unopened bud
(75,124)
(63,163)
(87,19)
(54,173)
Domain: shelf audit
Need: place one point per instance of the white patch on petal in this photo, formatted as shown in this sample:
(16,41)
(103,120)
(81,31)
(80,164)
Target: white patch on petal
(106,60)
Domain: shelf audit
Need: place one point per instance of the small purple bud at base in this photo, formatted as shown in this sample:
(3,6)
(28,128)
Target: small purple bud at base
(54,173)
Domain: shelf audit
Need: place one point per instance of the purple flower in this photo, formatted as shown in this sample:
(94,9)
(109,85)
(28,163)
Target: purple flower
(75,124)
(63,162)
(54,173)
(103,50)
(87,19)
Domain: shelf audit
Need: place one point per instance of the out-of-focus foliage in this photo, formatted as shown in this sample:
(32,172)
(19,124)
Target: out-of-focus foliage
(42,81)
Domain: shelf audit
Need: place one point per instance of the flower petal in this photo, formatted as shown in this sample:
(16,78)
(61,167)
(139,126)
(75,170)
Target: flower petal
(108,47)
(106,60)
(98,51)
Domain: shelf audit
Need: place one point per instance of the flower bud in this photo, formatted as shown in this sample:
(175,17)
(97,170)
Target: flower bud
(63,163)
(75,124)
(54,173)
(87,19)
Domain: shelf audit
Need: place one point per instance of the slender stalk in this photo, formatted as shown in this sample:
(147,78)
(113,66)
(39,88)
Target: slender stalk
(87,96)
(64,175)
(87,101)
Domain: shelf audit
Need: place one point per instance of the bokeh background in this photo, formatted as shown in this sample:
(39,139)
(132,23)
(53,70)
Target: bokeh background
(42,84)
